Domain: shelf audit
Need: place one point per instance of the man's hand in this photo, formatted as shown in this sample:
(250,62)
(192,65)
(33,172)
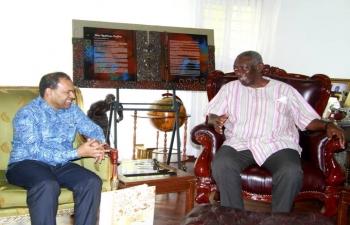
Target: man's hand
(333,129)
(218,122)
(330,127)
(93,148)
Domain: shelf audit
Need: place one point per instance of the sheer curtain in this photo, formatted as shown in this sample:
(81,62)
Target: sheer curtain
(238,25)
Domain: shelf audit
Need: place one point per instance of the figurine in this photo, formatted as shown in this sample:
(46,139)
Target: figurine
(98,112)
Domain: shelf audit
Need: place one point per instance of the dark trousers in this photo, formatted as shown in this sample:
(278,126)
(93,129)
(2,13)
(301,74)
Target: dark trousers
(43,183)
(284,165)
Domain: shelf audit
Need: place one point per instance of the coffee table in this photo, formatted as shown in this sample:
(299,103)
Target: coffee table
(177,181)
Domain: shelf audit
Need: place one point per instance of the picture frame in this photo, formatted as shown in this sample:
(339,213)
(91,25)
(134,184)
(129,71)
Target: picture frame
(129,56)
(341,85)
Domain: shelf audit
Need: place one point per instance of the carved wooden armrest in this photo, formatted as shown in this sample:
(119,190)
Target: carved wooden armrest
(320,151)
(334,173)
(113,155)
(205,135)
(113,158)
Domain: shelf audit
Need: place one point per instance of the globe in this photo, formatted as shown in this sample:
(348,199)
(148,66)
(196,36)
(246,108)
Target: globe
(164,121)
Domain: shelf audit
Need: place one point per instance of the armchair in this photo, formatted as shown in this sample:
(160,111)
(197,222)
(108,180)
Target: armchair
(13,206)
(322,173)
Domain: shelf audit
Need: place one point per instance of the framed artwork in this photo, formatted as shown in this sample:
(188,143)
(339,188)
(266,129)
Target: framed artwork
(114,55)
(340,85)
(343,86)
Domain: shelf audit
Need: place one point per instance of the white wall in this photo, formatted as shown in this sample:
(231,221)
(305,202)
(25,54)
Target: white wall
(36,39)
(312,37)
(36,35)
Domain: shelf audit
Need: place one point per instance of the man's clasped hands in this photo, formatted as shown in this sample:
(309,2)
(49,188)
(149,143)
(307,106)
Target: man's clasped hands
(94,148)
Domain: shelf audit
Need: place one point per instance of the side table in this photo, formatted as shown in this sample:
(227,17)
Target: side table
(343,202)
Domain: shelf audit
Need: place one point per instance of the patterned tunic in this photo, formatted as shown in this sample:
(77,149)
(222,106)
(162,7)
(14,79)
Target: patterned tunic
(262,120)
(44,134)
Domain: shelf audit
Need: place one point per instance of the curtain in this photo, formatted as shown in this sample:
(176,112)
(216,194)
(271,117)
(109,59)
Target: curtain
(239,25)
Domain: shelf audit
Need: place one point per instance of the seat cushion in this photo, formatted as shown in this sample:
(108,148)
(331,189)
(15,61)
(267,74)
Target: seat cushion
(258,180)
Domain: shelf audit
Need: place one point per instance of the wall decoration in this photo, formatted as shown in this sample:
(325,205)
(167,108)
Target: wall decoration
(111,55)
(341,88)
(340,85)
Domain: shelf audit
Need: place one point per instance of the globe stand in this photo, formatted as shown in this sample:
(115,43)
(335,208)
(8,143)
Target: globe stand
(175,107)
(161,154)
(184,157)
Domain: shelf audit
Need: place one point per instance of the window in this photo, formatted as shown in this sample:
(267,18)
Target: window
(232,31)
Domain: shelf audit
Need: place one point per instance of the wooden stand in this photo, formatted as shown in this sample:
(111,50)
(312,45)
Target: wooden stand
(165,148)
(175,107)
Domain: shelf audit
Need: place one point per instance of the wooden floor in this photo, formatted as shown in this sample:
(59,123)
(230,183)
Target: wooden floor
(169,208)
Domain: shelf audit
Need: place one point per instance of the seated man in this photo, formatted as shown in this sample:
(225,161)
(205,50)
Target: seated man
(260,116)
(42,151)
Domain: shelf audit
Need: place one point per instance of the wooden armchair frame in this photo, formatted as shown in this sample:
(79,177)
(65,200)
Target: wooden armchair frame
(317,155)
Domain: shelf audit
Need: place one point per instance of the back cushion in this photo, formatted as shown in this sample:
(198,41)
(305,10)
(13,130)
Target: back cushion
(12,98)
(309,89)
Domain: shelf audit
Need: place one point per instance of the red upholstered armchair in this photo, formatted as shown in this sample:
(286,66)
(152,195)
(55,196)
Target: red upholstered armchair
(322,173)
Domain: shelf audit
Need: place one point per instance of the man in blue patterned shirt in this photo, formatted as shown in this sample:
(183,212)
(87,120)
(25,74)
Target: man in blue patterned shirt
(42,151)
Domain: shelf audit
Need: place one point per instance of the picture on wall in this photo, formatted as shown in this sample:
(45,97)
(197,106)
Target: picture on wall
(109,54)
(342,87)
(187,57)
(339,87)
(133,56)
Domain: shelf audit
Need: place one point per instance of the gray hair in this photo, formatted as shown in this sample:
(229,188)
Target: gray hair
(254,55)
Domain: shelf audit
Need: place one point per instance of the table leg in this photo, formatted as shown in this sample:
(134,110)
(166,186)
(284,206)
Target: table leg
(343,202)
(189,197)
